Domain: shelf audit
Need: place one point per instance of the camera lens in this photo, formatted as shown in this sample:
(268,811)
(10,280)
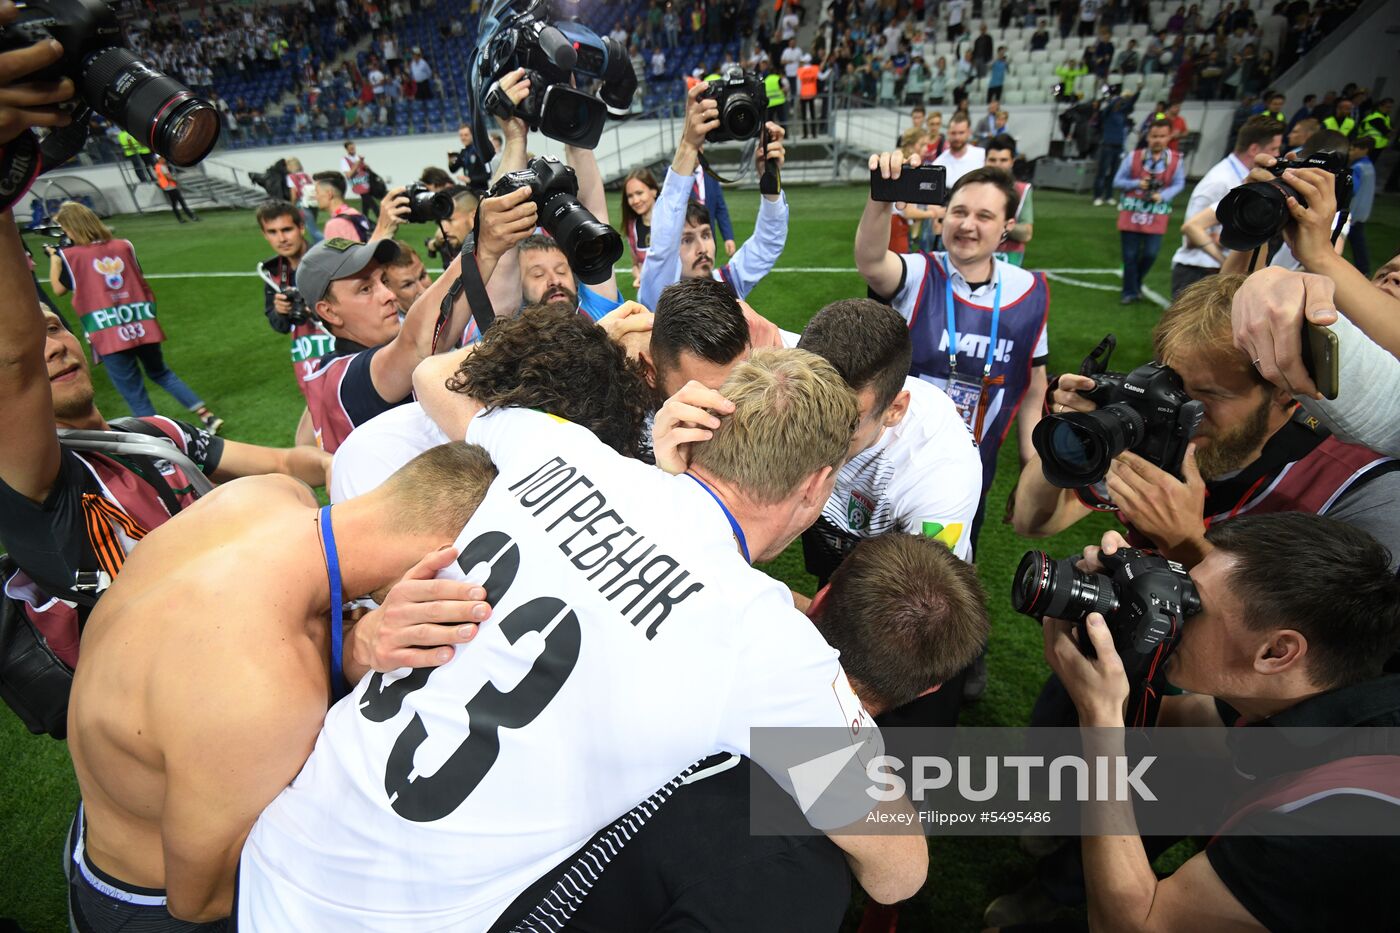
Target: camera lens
(741,118)
(1045,587)
(572,117)
(154,107)
(590,246)
(1075,449)
(1253,214)
(429,206)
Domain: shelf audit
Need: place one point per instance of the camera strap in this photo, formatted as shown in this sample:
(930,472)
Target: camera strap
(468,282)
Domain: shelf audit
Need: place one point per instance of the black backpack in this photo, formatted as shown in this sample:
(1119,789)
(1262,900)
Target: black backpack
(34,681)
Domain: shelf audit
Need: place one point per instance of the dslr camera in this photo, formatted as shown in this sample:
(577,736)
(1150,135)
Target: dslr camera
(113,82)
(1146,411)
(590,245)
(553,54)
(1143,597)
(1256,212)
(52,231)
(299,314)
(743,105)
(425,206)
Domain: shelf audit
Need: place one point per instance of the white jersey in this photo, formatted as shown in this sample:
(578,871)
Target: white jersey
(923,476)
(629,638)
(375,450)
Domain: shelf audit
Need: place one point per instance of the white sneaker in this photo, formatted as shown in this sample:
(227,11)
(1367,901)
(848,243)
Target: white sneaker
(1098,202)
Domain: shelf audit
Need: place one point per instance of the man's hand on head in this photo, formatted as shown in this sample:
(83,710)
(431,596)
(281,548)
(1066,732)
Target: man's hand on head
(627,320)
(1268,315)
(763,333)
(29,103)
(689,416)
(505,221)
(393,211)
(420,620)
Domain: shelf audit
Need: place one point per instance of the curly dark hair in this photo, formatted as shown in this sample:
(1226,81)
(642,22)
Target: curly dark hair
(558,361)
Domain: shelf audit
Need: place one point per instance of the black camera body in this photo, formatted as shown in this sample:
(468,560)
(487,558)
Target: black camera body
(743,105)
(53,232)
(554,55)
(1254,213)
(425,206)
(592,247)
(112,81)
(299,313)
(1146,411)
(1144,598)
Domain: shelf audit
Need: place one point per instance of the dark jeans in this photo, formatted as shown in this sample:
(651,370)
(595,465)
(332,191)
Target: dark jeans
(809,117)
(994,92)
(1139,253)
(1109,157)
(177,202)
(125,367)
(1184,277)
(1360,252)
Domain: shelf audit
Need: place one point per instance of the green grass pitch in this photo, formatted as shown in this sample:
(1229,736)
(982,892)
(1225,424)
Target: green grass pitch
(219,342)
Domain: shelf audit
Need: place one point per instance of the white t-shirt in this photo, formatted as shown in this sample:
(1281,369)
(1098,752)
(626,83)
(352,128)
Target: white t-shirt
(923,476)
(420,70)
(391,50)
(376,449)
(1214,185)
(629,638)
(789,25)
(973,157)
(376,81)
(791,58)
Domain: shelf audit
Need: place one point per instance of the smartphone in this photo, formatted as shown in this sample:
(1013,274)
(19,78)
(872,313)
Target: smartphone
(1320,358)
(927,184)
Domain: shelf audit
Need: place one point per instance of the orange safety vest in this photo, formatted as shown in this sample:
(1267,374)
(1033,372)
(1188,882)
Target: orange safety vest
(163,178)
(807,81)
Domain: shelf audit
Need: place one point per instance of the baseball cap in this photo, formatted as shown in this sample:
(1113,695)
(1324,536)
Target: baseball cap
(338,258)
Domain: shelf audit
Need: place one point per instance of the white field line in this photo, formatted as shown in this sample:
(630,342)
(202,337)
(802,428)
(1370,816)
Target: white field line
(627,270)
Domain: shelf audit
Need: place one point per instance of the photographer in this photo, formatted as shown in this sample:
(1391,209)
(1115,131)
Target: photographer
(1149,179)
(454,232)
(1258,135)
(371,368)
(344,221)
(286,312)
(954,291)
(467,162)
(1254,451)
(519,280)
(117,309)
(682,237)
(1275,650)
(407,277)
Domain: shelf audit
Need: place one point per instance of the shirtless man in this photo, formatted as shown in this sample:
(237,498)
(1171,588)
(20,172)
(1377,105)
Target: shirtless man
(185,723)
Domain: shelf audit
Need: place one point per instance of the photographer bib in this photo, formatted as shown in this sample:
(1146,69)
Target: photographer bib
(1143,215)
(115,305)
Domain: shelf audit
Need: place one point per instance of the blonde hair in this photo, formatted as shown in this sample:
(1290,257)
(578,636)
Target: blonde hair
(912,141)
(793,415)
(293,164)
(1197,326)
(440,489)
(81,224)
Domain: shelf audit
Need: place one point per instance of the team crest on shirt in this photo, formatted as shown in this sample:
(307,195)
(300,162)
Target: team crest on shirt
(858,510)
(111,269)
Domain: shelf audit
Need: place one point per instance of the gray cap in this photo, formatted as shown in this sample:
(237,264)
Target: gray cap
(338,258)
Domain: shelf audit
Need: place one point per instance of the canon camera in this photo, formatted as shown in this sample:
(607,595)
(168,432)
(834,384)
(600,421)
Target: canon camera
(592,247)
(1146,411)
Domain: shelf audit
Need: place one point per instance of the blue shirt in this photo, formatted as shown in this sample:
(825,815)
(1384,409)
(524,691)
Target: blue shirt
(749,264)
(998,77)
(1363,190)
(1115,120)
